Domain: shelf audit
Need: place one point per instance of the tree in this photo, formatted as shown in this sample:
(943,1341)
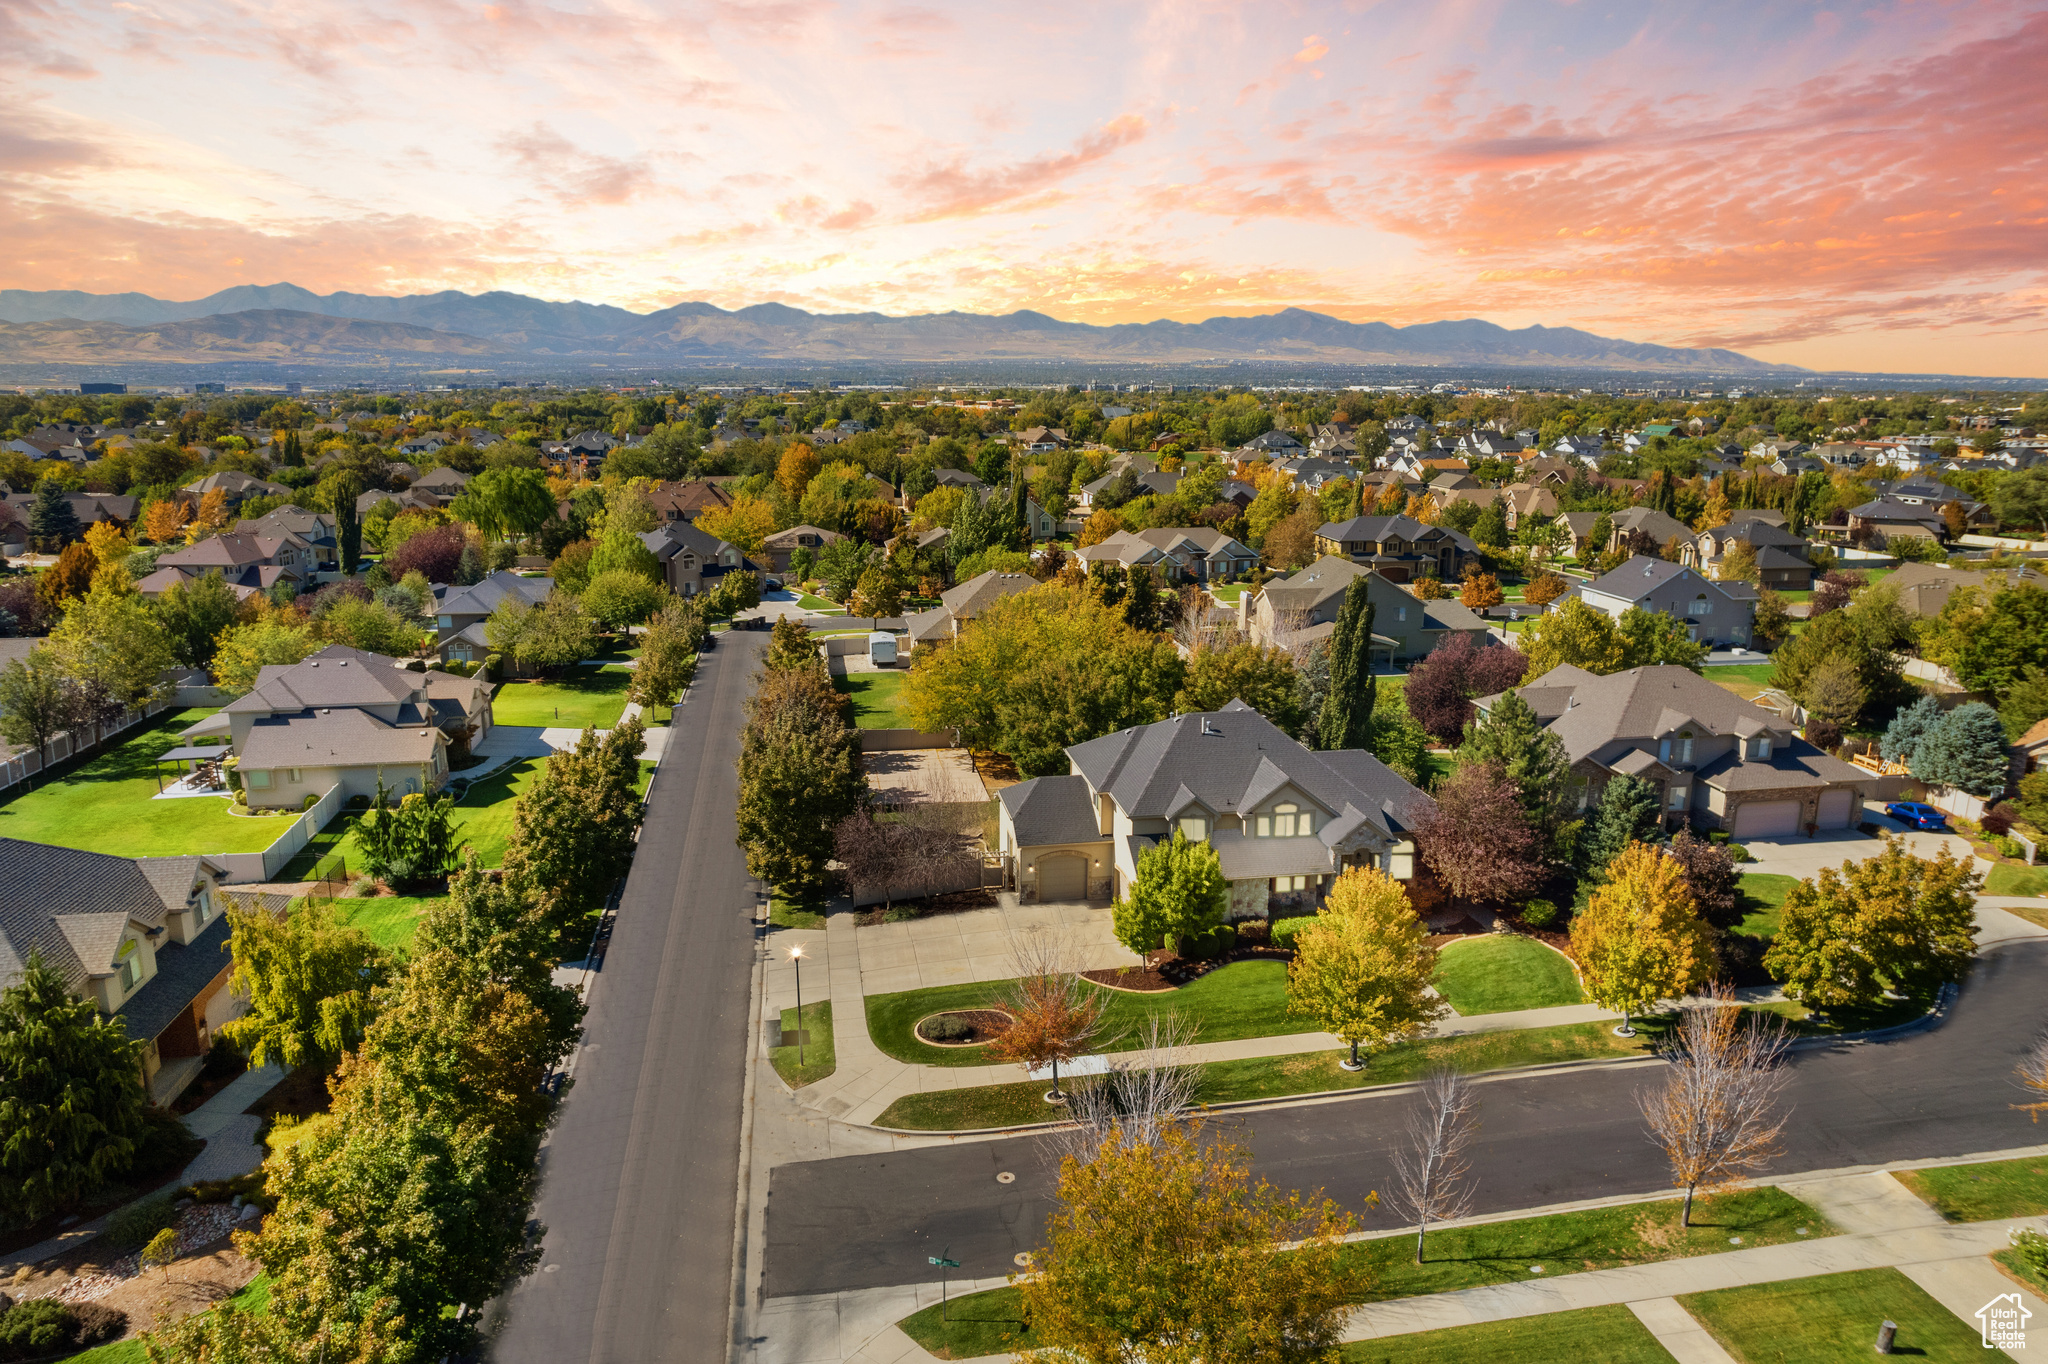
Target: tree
(410,842)
(1362,968)
(620,597)
(309,980)
(1397,740)
(1441,688)
(2026,705)
(1871,633)
(161,1251)
(624,552)
(434,552)
(1512,739)
(1491,529)
(1649,638)
(342,490)
(110,643)
(69,578)
(1640,938)
(1261,677)
(572,832)
(374,627)
(1178,891)
(1902,737)
(1712,877)
(792,648)
(1772,621)
(743,525)
(1738,564)
(1545,588)
(1834,693)
(1965,751)
(800,774)
(793,473)
(50,518)
(165,520)
(1291,543)
(194,614)
(877,594)
(1577,634)
(1477,839)
(1430,1176)
(278,636)
(71,1101)
(1481,592)
(1629,811)
(544,638)
(36,702)
(1989,639)
(506,501)
(1055,1016)
(1346,719)
(668,653)
(1717,1116)
(2021,499)
(1170,1251)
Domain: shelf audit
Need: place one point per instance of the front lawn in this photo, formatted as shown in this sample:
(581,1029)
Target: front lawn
(1833,1317)
(2015,878)
(1980,1193)
(1279,1077)
(1244,999)
(108,805)
(1502,972)
(1587,1335)
(877,698)
(1227,593)
(583,698)
(818,1058)
(1762,897)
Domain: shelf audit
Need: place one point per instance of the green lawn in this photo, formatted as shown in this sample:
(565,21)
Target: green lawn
(819,1059)
(253,1296)
(1277,1077)
(811,603)
(581,699)
(108,805)
(1244,999)
(979,1324)
(1833,1317)
(1227,593)
(2020,1269)
(1980,1193)
(877,698)
(1589,1335)
(389,920)
(1467,1257)
(784,914)
(1501,972)
(2005,878)
(1744,679)
(1763,895)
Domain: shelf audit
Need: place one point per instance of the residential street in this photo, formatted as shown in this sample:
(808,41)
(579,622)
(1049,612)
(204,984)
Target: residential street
(1545,1139)
(641,1169)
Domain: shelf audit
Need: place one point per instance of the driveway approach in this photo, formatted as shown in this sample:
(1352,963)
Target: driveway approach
(869,1221)
(640,1175)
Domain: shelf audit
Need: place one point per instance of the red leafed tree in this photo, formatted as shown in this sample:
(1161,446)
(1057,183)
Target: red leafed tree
(1441,687)
(436,553)
(1478,841)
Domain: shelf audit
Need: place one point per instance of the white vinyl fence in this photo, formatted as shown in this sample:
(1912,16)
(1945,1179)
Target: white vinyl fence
(30,761)
(265,865)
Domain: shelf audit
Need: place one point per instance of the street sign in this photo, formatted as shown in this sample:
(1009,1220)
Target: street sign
(942,1262)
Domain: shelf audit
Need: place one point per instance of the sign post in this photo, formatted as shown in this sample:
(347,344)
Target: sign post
(943,1264)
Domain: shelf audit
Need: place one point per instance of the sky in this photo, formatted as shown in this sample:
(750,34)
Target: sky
(1842,187)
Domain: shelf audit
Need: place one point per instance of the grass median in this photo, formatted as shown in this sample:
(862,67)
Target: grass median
(1589,1335)
(1833,1317)
(817,1059)
(1981,1193)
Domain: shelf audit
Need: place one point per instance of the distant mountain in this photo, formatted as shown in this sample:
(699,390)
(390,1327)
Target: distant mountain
(299,323)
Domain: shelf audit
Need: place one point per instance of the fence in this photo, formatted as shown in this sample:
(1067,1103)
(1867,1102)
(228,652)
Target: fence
(69,744)
(893,740)
(970,875)
(265,865)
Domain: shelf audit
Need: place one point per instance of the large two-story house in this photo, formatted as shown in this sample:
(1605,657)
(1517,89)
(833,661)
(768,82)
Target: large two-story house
(693,560)
(143,938)
(461,613)
(1399,547)
(1718,613)
(1718,762)
(1781,559)
(247,563)
(314,530)
(1200,554)
(1303,608)
(347,718)
(1284,819)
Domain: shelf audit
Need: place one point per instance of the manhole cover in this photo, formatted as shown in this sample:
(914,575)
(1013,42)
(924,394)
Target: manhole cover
(549,1269)
(1006,1178)
(1023,1259)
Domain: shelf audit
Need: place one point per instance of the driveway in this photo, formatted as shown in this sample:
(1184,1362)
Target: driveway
(1802,857)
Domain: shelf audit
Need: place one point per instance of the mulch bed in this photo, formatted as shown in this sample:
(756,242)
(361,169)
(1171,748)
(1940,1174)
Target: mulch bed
(987,1024)
(1180,971)
(1143,980)
(953,902)
(298,1095)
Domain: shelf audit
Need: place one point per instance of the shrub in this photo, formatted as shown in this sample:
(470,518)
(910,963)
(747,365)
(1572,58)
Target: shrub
(97,1323)
(1539,914)
(1284,930)
(947,1028)
(2033,1250)
(1824,735)
(1254,932)
(1739,853)
(132,1227)
(250,1186)
(492,662)
(29,1330)
(1999,819)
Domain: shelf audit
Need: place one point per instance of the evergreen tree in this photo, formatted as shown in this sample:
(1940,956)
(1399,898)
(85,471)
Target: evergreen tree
(1603,531)
(1903,735)
(71,1102)
(1141,603)
(342,493)
(970,529)
(1514,740)
(1346,719)
(1491,529)
(1965,751)
(50,518)
(1628,812)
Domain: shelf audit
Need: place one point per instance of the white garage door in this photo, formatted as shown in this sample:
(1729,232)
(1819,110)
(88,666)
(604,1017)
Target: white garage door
(1837,809)
(1767,819)
(1063,878)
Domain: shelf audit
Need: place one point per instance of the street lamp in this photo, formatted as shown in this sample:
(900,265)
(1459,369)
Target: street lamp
(796,955)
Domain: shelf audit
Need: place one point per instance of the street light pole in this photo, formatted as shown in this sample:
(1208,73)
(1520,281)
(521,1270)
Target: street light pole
(796,955)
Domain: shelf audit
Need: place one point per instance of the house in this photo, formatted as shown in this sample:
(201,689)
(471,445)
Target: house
(444,485)
(1889,516)
(89,508)
(1039,439)
(233,485)
(1718,613)
(1303,608)
(1661,529)
(406,500)
(1791,466)
(1579,525)
(1148,484)
(1526,500)
(692,560)
(255,562)
(1718,761)
(962,603)
(1399,547)
(687,501)
(347,718)
(778,547)
(1284,819)
(1925,588)
(1271,443)
(462,612)
(1313,474)
(1199,554)
(959,478)
(1781,556)
(144,939)
(314,530)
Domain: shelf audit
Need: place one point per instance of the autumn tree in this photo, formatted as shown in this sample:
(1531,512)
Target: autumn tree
(1172,1249)
(211,517)
(793,473)
(1640,939)
(1512,739)
(1261,677)
(1362,967)
(194,614)
(1649,638)
(1545,588)
(800,774)
(1178,891)
(1477,838)
(1717,1117)
(1441,688)
(1712,875)
(1481,592)
(1577,634)
(743,525)
(308,978)
(165,520)
(1055,1015)
(111,644)
(573,829)
(278,635)
(1738,564)
(1894,920)
(69,578)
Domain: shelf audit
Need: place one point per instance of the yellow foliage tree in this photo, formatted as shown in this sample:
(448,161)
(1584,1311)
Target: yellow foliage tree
(1422,507)
(744,525)
(211,519)
(1481,591)
(1362,968)
(1716,512)
(1391,501)
(798,466)
(1577,634)
(109,544)
(1169,1251)
(1099,527)
(166,520)
(1640,938)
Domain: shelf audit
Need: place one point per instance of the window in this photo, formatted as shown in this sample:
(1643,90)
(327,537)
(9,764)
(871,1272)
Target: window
(1401,613)
(1283,821)
(1679,795)
(257,781)
(1283,884)
(204,910)
(1763,745)
(1700,606)
(1195,828)
(1685,745)
(130,962)
(291,774)
(1265,827)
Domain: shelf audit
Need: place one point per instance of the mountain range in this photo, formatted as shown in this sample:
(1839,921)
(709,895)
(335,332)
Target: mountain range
(283,322)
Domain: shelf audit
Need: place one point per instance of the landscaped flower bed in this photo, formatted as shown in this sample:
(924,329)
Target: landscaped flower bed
(963,1027)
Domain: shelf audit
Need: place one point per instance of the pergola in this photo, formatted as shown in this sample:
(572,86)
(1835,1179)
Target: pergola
(189,753)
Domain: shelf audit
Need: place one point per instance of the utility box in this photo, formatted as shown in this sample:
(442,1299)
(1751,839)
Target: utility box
(882,649)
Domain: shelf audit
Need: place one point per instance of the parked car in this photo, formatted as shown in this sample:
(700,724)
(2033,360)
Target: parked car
(1915,815)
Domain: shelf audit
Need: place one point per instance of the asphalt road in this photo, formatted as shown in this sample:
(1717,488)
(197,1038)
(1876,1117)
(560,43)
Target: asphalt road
(870,1221)
(641,1174)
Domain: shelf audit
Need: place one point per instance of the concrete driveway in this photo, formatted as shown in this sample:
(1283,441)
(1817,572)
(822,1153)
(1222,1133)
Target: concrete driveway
(1802,857)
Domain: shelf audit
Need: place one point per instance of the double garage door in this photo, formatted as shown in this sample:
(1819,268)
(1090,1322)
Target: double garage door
(1780,818)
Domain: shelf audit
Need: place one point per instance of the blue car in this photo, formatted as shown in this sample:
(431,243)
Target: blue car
(1915,815)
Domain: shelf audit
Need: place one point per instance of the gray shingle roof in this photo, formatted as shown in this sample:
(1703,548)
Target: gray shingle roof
(1790,766)
(45,885)
(1639,577)
(969,599)
(1407,528)
(483,597)
(1050,810)
(336,676)
(340,737)
(1649,703)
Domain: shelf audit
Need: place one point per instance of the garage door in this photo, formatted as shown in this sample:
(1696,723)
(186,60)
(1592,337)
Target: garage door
(1767,819)
(1837,809)
(1063,878)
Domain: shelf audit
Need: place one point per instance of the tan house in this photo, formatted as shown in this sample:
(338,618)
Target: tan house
(962,603)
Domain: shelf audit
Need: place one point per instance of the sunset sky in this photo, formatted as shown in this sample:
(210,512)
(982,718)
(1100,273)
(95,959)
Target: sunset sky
(1845,188)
